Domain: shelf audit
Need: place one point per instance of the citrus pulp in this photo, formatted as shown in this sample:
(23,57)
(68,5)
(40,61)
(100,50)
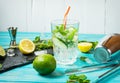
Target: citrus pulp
(84,46)
(26,46)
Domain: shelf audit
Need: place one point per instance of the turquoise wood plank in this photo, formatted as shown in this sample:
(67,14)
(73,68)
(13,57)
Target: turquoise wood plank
(26,74)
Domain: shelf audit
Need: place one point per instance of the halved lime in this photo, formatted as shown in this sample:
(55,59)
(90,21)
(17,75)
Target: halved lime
(59,43)
(2,52)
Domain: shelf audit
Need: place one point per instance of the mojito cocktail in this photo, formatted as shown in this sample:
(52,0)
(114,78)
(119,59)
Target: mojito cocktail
(65,40)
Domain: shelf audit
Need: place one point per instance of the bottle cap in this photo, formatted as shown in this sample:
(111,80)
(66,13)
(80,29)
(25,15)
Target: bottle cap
(101,54)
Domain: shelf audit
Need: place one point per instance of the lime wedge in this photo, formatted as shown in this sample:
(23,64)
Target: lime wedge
(59,43)
(71,33)
(0,66)
(2,51)
(58,35)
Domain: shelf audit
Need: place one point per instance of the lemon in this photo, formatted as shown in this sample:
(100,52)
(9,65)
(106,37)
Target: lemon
(84,46)
(2,52)
(26,46)
(44,64)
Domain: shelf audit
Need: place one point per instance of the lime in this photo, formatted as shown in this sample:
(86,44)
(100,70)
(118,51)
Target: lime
(71,33)
(59,43)
(2,52)
(0,66)
(44,64)
(26,46)
(84,46)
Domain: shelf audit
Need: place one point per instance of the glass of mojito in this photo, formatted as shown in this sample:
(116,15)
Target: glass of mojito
(65,40)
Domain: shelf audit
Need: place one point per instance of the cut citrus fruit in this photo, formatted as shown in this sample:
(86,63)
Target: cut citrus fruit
(44,64)
(59,43)
(26,46)
(85,46)
(71,33)
(2,52)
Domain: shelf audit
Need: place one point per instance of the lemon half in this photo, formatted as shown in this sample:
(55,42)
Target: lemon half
(26,46)
(85,46)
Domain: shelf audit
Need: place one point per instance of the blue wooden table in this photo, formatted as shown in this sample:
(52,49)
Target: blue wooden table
(26,74)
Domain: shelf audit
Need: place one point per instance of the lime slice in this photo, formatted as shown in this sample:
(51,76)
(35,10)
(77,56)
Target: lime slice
(0,66)
(2,51)
(71,33)
(60,36)
(59,43)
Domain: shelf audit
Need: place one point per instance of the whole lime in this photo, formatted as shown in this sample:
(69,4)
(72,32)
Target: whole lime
(44,64)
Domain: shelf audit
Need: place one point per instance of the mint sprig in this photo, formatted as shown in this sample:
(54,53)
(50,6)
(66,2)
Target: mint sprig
(82,78)
(42,44)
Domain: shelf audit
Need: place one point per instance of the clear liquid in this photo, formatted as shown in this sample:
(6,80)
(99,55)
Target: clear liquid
(65,56)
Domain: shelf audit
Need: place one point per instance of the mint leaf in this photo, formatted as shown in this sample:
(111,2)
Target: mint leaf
(83,58)
(37,39)
(82,78)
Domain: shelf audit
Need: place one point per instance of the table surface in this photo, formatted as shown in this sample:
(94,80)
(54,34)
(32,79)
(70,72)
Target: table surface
(26,74)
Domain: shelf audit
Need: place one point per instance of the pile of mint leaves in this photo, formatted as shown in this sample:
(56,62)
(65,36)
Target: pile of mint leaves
(82,78)
(42,44)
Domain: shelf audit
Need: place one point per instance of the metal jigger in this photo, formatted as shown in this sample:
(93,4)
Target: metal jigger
(12,32)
